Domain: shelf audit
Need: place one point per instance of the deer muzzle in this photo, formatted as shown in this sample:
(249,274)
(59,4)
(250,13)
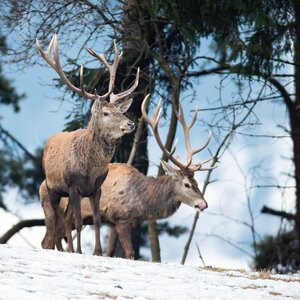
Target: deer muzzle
(128,127)
(201,205)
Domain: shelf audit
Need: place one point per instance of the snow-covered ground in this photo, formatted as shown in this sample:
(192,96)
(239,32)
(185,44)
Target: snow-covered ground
(39,274)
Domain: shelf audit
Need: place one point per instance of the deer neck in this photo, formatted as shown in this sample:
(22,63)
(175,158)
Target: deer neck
(100,140)
(161,201)
(92,151)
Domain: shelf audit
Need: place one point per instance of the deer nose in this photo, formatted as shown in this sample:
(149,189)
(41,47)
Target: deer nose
(131,125)
(201,205)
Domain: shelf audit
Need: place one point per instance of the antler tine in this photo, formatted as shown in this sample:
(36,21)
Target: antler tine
(54,62)
(157,113)
(174,147)
(46,54)
(112,74)
(180,117)
(194,118)
(186,130)
(50,44)
(81,78)
(116,97)
(198,167)
(143,109)
(111,69)
(99,56)
(153,122)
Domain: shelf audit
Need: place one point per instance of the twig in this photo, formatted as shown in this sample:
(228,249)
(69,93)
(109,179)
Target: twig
(18,143)
(136,140)
(200,255)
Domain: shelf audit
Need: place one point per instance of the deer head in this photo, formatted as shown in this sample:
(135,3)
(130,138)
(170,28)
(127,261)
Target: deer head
(184,183)
(108,109)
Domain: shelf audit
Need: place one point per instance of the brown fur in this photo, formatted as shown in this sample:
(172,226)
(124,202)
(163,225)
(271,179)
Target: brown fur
(129,197)
(76,163)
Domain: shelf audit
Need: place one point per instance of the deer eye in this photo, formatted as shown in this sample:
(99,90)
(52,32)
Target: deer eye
(187,185)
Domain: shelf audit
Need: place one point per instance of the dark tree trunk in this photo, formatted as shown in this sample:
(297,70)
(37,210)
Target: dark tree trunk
(294,112)
(152,226)
(133,37)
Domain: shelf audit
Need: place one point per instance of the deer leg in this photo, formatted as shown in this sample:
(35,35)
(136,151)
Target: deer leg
(60,234)
(68,227)
(54,201)
(124,232)
(94,202)
(48,240)
(74,199)
(59,246)
(111,241)
(61,231)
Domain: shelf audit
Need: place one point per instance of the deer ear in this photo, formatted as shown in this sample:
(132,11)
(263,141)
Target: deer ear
(169,170)
(124,105)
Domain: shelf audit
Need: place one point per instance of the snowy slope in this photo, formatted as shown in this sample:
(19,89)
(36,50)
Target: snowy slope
(38,274)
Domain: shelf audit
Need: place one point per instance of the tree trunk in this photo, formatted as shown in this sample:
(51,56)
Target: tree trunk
(133,35)
(294,112)
(152,226)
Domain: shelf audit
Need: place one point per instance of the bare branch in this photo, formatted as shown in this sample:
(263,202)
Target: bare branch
(286,97)
(216,70)
(19,226)
(279,213)
(18,143)
(207,180)
(136,140)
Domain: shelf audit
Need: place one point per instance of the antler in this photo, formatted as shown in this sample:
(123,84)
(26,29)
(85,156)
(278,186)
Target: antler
(153,122)
(112,71)
(54,62)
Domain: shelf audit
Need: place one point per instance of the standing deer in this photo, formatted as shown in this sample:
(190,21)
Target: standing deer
(76,163)
(129,197)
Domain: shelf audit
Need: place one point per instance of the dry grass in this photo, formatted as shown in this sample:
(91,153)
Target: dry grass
(253,287)
(262,274)
(267,275)
(216,269)
(275,294)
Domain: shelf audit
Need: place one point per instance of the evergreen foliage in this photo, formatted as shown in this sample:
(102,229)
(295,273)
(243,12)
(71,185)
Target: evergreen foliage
(278,253)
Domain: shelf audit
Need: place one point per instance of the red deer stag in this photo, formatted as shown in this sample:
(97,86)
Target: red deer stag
(76,163)
(129,197)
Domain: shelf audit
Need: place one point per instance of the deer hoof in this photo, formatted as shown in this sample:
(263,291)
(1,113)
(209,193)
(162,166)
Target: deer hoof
(98,253)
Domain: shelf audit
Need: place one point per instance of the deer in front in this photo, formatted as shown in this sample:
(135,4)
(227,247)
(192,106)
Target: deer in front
(129,197)
(76,163)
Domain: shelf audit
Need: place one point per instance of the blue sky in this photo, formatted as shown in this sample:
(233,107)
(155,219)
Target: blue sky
(42,113)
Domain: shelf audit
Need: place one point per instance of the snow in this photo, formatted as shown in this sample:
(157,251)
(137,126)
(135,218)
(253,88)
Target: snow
(34,274)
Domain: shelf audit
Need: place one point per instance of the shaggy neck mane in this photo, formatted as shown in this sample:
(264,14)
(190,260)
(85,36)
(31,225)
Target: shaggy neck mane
(160,198)
(94,128)
(100,137)
(94,148)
